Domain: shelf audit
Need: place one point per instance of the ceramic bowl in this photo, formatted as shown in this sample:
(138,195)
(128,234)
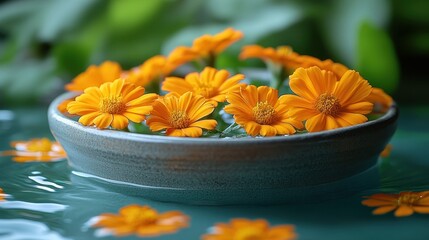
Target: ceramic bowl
(227,170)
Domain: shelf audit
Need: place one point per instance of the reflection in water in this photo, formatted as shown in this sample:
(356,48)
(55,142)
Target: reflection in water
(40,207)
(20,229)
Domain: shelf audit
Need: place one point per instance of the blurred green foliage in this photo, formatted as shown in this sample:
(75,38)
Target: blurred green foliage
(45,43)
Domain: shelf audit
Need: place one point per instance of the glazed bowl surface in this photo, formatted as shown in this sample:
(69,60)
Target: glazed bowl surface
(226,170)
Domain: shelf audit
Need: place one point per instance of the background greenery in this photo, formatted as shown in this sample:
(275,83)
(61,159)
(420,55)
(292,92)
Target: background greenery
(45,43)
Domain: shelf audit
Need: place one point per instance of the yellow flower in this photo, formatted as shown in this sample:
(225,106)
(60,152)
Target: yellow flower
(382,102)
(244,229)
(36,150)
(260,112)
(212,84)
(283,55)
(181,115)
(2,195)
(94,76)
(405,203)
(209,45)
(62,107)
(179,56)
(325,103)
(142,221)
(112,104)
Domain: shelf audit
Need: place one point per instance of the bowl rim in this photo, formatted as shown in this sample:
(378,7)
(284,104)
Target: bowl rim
(390,116)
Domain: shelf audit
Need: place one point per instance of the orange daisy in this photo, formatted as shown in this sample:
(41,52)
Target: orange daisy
(244,229)
(209,46)
(325,103)
(112,104)
(36,150)
(405,203)
(142,221)
(283,55)
(179,56)
(212,84)
(260,112)
(382,101)
(151,69)
(94,76)
(181,115)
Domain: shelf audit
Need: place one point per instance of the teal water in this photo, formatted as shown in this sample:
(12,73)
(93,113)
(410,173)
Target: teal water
(52,201)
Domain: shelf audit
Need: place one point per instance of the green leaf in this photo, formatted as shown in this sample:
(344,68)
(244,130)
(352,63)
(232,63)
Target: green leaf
(377,60)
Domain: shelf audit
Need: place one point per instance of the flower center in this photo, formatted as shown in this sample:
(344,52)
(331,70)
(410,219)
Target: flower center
(264,113)
(179,119)
(408,199)
(204,89)
(112,105)
(248,233)
(39,145)
(328,104)
(143,217)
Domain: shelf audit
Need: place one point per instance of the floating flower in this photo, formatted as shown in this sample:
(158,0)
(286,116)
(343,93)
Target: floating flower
(36,150)
(382,102)
(181,115)
(2,195)
(94,76)
(386,151)
(283,55)
(112,104)
(244,229)
(144,74)
(405,203)
(212,84)
(260,112)
(325,103)
(142,221)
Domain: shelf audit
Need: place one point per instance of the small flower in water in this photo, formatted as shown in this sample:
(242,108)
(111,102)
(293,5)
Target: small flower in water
(94,76)
(260,112)
(112,104)
(180,115)
(212,84)
(244,229)
(39,149)
(386,152)
(325,103)
(381,100)
(405,203)
(142,221)
(2,195)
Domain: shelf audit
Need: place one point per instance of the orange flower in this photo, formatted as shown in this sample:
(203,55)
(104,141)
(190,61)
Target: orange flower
(151,69)
(260,112)
(179,56)
(386,152)
(325,103)
(94,76)
(142,221)
(212,84)
(209,45)
(244,229)
(405,203)
(36,150)
(382,102)
(2,195)
(180,115)
(283,55)
(112,104)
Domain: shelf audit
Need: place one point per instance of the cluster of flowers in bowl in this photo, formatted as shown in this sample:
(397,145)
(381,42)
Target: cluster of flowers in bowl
(209,102)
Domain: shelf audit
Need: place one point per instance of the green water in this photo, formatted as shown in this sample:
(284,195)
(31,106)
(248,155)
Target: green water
(51,201)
